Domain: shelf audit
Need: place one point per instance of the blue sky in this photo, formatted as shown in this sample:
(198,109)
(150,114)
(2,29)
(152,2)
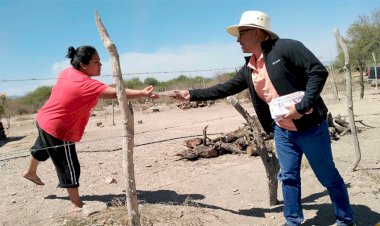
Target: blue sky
(155,35)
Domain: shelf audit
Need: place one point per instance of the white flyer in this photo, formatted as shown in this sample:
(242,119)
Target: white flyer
(278,105)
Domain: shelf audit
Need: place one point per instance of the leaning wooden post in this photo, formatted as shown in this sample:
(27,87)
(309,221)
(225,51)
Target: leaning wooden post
(350,104)
(128,123)
(376,85)
(268,156)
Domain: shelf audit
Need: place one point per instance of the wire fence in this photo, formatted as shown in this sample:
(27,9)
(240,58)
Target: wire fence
(132,74)
(19,153)
(335,81)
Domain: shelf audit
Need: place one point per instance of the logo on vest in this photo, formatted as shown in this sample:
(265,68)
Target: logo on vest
(277,61)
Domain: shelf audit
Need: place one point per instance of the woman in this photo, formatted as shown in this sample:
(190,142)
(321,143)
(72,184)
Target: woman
(62,120)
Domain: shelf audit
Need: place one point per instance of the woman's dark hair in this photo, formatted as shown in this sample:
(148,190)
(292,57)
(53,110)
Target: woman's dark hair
(82,54)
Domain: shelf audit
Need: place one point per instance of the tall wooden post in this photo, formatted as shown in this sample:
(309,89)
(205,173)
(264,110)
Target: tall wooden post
(350,103)
(128,123)
(374,59)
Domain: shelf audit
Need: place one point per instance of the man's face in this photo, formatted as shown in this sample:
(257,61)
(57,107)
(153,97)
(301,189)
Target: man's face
(248,39)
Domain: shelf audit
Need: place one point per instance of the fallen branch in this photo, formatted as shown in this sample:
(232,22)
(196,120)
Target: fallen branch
(361,122)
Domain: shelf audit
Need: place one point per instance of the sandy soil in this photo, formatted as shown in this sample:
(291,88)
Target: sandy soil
(227,190)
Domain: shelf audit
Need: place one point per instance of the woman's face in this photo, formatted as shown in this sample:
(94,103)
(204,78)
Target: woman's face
(94,66)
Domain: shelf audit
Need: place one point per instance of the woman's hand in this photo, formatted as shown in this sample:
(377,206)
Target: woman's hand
(148,92)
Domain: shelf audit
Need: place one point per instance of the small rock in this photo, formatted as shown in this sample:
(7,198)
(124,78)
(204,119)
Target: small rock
(110,180)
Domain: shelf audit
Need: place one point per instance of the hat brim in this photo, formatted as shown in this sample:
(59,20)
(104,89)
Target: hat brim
(234,30)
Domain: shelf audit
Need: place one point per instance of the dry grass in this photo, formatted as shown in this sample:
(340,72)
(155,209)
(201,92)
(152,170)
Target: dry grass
(150,214)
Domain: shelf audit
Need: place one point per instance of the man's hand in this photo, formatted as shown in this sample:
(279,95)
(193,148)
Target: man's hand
(293,113)
(181,95)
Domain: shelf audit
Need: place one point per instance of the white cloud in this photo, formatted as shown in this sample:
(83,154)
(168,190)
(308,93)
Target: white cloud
(59,66)
(178,60)
(165,59)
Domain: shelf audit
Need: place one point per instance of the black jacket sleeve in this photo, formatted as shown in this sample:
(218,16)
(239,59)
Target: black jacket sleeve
(231,87)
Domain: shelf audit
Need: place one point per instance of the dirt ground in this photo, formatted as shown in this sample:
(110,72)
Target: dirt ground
(227,190)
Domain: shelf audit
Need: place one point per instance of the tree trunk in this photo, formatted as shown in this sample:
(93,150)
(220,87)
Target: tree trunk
(2,132)
(8,119)
(128,138)
(334,87)
(350,104)
(361,82)
(268,157)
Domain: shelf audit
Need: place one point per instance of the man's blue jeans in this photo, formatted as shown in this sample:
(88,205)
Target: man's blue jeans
(315,143)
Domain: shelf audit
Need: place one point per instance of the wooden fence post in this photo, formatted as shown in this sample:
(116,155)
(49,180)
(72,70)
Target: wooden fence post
(128,123)
(350,103)
(376,85)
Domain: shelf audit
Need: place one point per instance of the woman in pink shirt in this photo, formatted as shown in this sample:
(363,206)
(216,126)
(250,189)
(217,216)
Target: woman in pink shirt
(62,120)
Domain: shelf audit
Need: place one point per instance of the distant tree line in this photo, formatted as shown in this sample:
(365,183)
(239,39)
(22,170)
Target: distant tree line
(32,101)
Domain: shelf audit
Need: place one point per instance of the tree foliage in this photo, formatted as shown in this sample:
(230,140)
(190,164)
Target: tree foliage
(2,104)
(363,42)
(151,81)
(34,100)
(38,96)
(363,39)
(133,83)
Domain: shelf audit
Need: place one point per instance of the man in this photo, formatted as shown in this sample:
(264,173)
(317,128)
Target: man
(278,67)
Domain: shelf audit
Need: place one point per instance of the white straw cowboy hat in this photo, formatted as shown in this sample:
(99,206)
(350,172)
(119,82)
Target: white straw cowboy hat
(255,19)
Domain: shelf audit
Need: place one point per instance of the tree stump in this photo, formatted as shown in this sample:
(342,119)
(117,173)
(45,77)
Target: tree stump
(2,132)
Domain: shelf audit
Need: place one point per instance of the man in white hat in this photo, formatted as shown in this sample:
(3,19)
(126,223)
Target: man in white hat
(278,67)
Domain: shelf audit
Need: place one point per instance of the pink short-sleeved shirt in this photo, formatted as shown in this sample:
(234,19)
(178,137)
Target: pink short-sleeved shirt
(67,111)
(265,89)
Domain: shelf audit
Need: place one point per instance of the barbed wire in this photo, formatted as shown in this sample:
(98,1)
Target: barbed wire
(129,74)
(22,152)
